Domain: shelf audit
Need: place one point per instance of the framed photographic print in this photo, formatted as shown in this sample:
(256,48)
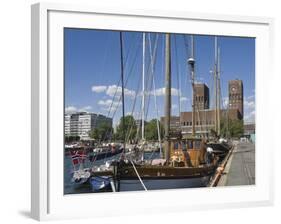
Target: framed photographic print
(163,111)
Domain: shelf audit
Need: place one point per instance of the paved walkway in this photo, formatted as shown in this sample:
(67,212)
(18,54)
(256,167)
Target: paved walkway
(240,169)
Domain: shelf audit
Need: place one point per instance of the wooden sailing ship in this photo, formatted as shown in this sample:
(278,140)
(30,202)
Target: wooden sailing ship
(185,163)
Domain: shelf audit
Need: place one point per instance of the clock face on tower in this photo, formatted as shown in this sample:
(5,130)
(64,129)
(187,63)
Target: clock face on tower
(233,89)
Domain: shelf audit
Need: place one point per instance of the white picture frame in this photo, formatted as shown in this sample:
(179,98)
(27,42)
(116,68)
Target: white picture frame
(48,201)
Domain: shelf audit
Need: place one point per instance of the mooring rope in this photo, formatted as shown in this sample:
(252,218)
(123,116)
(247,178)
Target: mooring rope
(138,176)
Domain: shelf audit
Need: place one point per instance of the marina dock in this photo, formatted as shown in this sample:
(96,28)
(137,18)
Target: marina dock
(240,167)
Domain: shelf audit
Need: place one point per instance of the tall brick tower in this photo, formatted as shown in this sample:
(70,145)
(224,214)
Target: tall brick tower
(201,92)
(236,98)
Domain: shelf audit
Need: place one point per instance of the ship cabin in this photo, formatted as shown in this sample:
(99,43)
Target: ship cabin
(188,152)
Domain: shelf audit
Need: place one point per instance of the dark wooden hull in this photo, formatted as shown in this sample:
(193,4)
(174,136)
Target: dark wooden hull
(163,183)
(164,172)
(158,177)
(163,177)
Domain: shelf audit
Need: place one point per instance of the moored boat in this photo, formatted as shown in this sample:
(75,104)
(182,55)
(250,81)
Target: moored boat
(104,152)
(80,174)
(187,163)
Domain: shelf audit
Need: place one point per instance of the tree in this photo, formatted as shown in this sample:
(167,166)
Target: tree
(232,128)
(129,126)
(151,132)
(236,128)
(71,138)
(102,132)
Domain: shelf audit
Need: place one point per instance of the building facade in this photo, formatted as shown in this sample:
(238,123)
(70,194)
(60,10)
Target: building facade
(202,96)
(174,122)
(204,116)
(80,124)
(235,96)
(205,120)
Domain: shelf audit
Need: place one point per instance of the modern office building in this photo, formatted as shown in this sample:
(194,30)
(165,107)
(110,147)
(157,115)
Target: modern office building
(80,124)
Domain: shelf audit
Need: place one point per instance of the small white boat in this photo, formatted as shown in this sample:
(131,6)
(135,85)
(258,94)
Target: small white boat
(80,176)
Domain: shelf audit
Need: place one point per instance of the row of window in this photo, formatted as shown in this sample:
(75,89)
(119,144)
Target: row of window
(199,98)
(189,123)
(235,96)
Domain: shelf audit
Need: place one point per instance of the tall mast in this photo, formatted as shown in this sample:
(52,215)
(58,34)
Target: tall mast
(122,83)
(191,62)
(143,87)
(215,87)
(219,91)
(152,56)
(167,96)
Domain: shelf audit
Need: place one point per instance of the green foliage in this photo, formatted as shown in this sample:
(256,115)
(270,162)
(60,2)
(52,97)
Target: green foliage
(131,129)
(129,126)
(151,132)
(102,132)
(68,139)
(232,128)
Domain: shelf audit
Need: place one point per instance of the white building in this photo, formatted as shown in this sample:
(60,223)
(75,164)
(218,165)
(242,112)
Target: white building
(80,124)
(67,118)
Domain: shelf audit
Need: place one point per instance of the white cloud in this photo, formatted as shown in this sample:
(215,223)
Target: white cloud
(85,109)
(73,109)
(249,104)
(225,102)
(249,109)
(70,109)
(113,90)
(117,91)
(174,106)
(183,98)
(250,97)
(99,89)
(250,116)
(109,104)
(161,92)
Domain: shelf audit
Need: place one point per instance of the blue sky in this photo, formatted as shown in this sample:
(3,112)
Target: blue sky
(92,71)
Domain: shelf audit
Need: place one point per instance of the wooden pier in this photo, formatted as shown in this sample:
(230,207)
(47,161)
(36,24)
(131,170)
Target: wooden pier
(238,168)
